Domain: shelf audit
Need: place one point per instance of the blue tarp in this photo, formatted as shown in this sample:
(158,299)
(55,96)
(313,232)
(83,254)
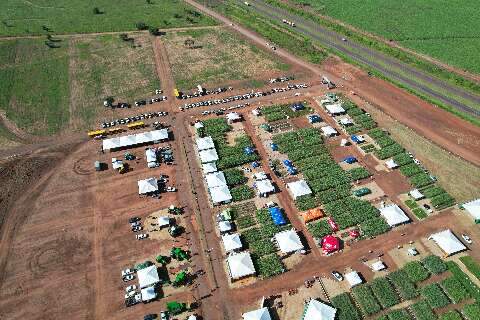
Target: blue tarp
(288,163)
(350,159)
(277,216)
(249,150)
(314,118)
(274,146)
(297,107)
(292,170)
(255,164)
(355,139)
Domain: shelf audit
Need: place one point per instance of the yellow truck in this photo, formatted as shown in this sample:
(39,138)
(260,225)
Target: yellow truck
(136,125)
(96,133)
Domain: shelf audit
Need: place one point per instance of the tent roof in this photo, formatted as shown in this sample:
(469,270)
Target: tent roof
(225,226)
(473,207)
(394,215)
(205,143)
(209,155)
(148,293)
(317,310)
(148,276)
(447,241)
(288,241)
(379,265)
(328,130)
(265,186)
(134,139)
(259,314)
(151,155)
(353,278)
(220,194)
(391,164)
(417,195)
(345,121)
(312,214)
(163,221)
(147,185)
(215,179)
(232,116)
(330,243)
(277,216)
(240,265)
(198,125)
(334,108)
(299,188)
(260,176)
(209,167)
(232,242)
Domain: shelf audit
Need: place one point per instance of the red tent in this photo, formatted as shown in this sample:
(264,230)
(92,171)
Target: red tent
(332,224)
(330,244)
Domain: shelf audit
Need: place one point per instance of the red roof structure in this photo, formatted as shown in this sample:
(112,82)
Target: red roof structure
(330,244)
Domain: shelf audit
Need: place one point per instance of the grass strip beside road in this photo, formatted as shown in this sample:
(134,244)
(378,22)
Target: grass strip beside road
(471,265)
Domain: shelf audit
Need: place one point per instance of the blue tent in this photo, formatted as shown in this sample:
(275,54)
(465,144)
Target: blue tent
(287,163)
(292,170)
(277,216)
(255,164)
(357,139)
(297,107)
(314,118)
(249,150)
(274,146)
(350,160)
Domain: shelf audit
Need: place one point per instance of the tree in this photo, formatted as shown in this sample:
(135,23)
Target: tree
(141,25)
(96,10)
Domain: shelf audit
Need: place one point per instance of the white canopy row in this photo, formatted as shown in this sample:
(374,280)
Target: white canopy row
(135,139)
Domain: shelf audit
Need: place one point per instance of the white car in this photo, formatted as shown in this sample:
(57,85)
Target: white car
(467,239)
(171,189)
(141,236)
(128,277)
(131,288)
(136,229)
(138,297)
(130,294)
(127,271)
(135,224)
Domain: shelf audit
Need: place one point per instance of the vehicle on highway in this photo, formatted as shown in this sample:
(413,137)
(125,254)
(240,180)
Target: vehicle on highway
(337,275)
(467,239)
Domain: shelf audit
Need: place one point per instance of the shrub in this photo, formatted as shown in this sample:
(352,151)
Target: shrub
(471,265)
(419,213)
(434,264)
(234,177)
(245,221)
(358,174)
(410,169)
(252,235)
(471,311)
(389,151)
(377,133)
(319,229)
(383,290)
(241,193)
(451,315)
(269,266)
(422,311)
(454,289)
(366,300)
(402,283)
(411,203)
(434,295)
(416,271)
(374,227)
(384,141)
(346,309)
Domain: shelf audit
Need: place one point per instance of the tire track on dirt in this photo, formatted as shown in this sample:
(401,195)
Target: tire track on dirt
(164,70)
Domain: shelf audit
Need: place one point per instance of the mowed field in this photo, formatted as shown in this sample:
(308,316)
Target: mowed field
(77,16)
(44,90)
(217,57)
(446,30)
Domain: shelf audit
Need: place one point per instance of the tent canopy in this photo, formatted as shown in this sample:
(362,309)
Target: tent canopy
(148,294)
(415,194)
(260,176)
(353,278)
(473,208)
(394,215)
(209,155)
(299,188)
(447,241)
(220,194)
(288,241)
(328,131)
(224,226)
(148,276)
(147,186)
(240,265)
(330,244)
(163,221)
(312,214)
(277,216)
(378,266)
(205,143)
(198,125)
(215,179)
(259,314)
(135,139)
(209,167)
(265,186)
(233,116)
(232,242)
(335,108)
(316,310)
(391,164)
(151,155)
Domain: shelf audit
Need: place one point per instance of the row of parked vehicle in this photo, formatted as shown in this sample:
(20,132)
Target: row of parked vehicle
(281,79)
(140,103)
(221,111)
(203,92)
(134,118)
(242,97)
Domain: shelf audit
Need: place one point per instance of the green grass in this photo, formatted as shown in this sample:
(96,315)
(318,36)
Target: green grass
(76,16)
(471,265)
(419,213)
(219,56)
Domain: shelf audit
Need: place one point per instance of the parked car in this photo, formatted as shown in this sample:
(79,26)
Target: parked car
(137,228)
(467,239)
(128,277)
(427,208)
(150,316)
(337,275)
(127,271)
(135,224)
(171,189)
(163,315)
(131,288)
(133,219)
(130,294)
(141,236)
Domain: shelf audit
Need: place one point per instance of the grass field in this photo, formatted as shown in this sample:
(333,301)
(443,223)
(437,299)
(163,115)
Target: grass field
(43,90)
(77,16)
(446,30)
(218,55)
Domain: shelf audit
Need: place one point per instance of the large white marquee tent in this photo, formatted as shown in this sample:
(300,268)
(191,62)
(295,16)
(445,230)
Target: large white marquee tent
(317,310)
(135,139)
(240,265)
(394,215)
(148,276)
(448,242)
(299,188)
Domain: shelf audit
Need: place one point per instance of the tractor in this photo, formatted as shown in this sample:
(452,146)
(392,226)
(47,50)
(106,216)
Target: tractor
(174,231)
(175,307)
(163,260)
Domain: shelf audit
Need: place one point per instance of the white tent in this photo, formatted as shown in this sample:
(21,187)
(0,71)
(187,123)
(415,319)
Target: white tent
(448,242)
(346,121)
(135,139)
(240,265)
(198,125)
(224,226)
(378,266)
(147,185)
(288,241)
(259,314)
(209,167)
(353,278)
(163,221)
(335,109)
(233,116)
(265,186)
(415,194)
(192,317)
(151,156)
(215,179)
(473,208)
(317,310)
(205,143)
(260,176)
(299,188)
(116,163)
(148,276)
(391,164)
(232,242)
(394,215)
(220,194)
(328,131)
(209,155)
(148,294)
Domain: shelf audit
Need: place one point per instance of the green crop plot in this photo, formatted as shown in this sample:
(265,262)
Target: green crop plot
(75,16)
